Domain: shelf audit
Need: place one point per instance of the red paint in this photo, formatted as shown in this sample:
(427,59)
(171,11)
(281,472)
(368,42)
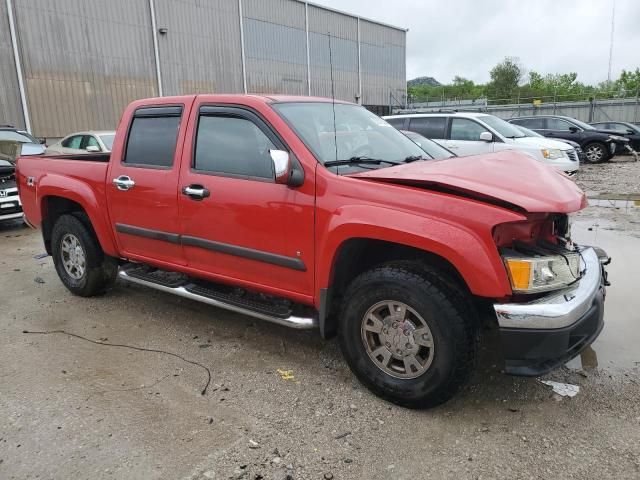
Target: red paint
(444,207)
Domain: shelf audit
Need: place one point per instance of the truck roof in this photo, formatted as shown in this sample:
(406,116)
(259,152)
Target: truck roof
(266,98)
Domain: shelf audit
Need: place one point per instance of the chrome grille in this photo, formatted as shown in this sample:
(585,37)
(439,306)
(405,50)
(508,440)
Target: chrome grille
(573,156)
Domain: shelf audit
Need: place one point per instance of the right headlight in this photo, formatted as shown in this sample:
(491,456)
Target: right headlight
(544,273)
(552,153)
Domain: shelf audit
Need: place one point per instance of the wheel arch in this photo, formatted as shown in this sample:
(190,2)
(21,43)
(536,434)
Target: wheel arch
(53,206)
(357,255)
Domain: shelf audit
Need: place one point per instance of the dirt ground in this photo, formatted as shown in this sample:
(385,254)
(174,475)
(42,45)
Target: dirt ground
(282,404)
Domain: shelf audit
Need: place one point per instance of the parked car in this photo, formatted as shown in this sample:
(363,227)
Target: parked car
(270,212)
(624,129)
(434,150)
(12,144)
(468,133)
(598,145)
(576,146)
(83,142)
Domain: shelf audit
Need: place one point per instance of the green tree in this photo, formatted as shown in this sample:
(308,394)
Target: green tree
(505,78)
(629,82)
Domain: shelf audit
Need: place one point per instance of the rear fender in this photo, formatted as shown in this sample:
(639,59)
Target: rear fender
(55,185)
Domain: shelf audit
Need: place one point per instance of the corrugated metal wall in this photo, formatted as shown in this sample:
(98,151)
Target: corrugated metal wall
(382,56)
(84,60)
(10,107)
(343,31)
(200,53)
(275,46)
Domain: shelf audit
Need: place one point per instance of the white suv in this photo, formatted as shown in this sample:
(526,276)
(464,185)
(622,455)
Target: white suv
(467,133)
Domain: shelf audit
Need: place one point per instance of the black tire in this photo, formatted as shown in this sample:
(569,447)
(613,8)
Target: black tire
(100,270)
(596,152)
(446,309)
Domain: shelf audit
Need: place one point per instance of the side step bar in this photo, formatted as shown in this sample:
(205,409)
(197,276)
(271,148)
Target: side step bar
(293,321)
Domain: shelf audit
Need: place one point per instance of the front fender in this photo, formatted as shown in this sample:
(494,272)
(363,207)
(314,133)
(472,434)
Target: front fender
(76,190)
(473,253)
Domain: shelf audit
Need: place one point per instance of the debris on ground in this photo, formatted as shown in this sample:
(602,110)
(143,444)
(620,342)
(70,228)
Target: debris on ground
(562,389)
(286,374)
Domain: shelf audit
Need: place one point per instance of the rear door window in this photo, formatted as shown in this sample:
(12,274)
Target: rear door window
(532,123)
(152,137)
(430,127)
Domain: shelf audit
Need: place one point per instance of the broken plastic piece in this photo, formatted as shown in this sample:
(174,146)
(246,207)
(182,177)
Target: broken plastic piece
(563,389)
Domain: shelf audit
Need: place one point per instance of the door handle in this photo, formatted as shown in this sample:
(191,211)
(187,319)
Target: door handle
(123,182)
(196,192)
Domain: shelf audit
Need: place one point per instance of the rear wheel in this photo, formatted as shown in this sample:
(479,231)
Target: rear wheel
(596,153)
(80,263)
(407,335)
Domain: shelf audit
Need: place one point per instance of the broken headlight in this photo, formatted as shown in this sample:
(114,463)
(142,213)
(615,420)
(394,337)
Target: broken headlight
(542,273)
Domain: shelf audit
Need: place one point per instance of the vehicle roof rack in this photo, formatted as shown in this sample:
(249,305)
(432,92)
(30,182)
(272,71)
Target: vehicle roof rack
(8,126)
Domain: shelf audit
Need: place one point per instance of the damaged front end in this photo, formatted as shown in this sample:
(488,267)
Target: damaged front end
(557,308)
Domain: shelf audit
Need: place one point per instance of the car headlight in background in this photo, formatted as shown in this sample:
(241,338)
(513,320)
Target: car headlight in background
(552,153)
(540,274)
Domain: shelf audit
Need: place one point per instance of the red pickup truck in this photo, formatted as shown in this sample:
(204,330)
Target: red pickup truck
(318,214)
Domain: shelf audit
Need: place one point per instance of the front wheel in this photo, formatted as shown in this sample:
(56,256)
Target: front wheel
(81,265)
(407,335)
(596,153)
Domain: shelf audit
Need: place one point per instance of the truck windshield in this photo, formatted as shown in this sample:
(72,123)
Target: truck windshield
(358,134)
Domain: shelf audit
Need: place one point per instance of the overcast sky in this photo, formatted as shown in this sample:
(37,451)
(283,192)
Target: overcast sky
(468,37)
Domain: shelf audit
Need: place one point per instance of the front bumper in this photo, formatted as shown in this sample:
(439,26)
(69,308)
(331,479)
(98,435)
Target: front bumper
(541,335)
(10,204)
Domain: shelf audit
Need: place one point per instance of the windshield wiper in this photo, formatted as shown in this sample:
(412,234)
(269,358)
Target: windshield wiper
(359,160)
(413,158)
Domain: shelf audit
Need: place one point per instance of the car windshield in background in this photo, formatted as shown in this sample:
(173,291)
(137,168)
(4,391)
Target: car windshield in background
(359,134)
(527,132)
(107,140)
(432,149)
(582,125)
(503,128)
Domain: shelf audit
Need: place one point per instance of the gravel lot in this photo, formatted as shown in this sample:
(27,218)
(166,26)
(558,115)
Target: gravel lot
(282,404)
(620,176)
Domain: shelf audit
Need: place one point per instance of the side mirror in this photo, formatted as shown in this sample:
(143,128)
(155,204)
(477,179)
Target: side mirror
(573,129)
(630,132)
(93,149)
(281,165)
(29,149)
(486,137)
(285,172)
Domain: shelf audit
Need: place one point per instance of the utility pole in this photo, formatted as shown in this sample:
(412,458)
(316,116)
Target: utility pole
(613,26)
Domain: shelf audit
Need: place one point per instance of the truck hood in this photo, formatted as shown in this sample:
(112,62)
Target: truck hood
(511,179)
(541,142)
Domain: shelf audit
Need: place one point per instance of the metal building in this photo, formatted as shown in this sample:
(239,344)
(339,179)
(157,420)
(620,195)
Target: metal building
(68,65)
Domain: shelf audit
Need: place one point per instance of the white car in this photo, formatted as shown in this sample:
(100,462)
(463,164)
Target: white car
(83,142)
(467,133)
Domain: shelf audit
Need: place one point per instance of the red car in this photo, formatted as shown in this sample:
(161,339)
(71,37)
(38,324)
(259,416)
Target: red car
(309,213)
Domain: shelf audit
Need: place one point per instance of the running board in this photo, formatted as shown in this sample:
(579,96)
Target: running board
(188,290)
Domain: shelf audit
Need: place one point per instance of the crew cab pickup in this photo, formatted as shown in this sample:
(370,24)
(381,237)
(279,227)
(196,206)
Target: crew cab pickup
(317,214)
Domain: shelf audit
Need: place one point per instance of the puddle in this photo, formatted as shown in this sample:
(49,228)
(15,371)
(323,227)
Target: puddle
(617,346)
